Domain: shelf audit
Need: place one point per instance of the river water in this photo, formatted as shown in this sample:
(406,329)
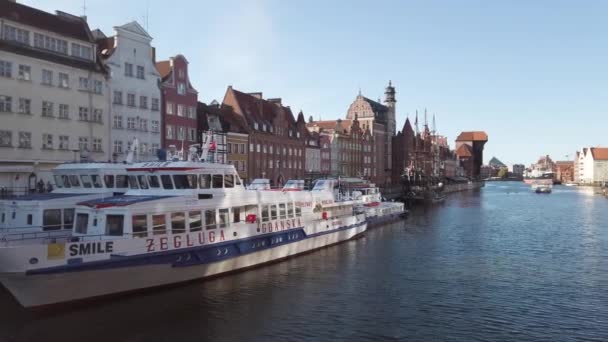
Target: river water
(499,264)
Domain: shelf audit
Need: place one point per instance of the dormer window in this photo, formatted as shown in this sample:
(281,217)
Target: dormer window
(255,125)
(263,127)
(298,134)
(181,88)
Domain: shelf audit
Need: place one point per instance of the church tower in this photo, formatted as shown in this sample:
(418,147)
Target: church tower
(391,122)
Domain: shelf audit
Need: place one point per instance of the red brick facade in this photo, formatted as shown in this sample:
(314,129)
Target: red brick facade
(178,104)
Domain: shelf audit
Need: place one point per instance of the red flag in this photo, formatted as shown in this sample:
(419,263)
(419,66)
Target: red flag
(213,145)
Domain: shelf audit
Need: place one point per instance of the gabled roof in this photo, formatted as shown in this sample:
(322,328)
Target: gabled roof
(62,23)
(134,27)
(164,68)
(464,151)
(376,106)
(473,136)
(599,153)
(495,162)
(259,110)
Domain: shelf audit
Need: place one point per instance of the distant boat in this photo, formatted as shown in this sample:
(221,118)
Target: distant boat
(570,184)
(545,178)
(542,189)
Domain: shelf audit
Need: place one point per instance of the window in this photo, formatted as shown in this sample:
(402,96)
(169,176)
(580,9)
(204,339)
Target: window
(224,218)
(131,100)
(47,77)
(181,74)
(139,226)
(155,104)
(229,181)
(195,221)
(169,108)
(96,180)
(180,133)
(122,181)
(192,134)
(273,212)
(64,142)
(185,181)
(83,113)
(140,72)
(83,144)
(51,219)
(210,219)
(270,164)
(290,209)
(117,97)
(242,148)
(218,181)
(64,111)
(97,115)
(259,148)
(25,140)
(180,110)
(97,145)
(298,211)
(128,69)
(64,80)
(153,182)
(229,148)
(131,123)
(83,83)
(74,180)
(6,138)
(265,217)
(155,126)
(166,180)
(178,223)
(117,146)
(236,215)
(45,42)
(97,87)
(86,181)
(251,148)
(81,51)
(114,225)
(82,223)
(68,219)
(25,72)
(47,109)
(143,102)
(6,69)
(47,141)
(16,34)
(25,106)
(170,131)
(109,181)
(282,211)
(117,121)
(243,165)
(264,149)
(181,88)
(159,226)
(205,181)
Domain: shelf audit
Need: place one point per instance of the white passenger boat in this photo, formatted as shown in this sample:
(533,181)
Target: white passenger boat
(179,221)
(30,218)
(377,212)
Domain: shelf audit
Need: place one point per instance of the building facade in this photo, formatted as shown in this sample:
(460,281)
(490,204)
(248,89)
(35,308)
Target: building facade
(178,104)
(53,95)
(564,171)
(469,148)
(593,165)
(276,148)
(134,90)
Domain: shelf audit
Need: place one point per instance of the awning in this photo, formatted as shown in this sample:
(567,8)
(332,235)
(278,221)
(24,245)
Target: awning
(16,169)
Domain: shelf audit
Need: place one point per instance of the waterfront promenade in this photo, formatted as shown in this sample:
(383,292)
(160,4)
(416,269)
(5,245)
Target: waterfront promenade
(498,264)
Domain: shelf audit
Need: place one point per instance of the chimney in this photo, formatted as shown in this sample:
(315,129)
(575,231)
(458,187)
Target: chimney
(256,95)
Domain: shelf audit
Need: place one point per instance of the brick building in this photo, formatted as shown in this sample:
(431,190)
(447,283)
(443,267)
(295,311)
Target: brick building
(564,171)
(276,145)
(178,104)
(469,148)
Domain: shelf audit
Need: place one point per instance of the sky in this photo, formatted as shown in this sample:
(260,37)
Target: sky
(532,74)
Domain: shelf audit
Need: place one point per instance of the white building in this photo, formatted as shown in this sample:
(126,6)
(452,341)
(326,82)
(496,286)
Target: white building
(134,88)
(53,95)
(592,165)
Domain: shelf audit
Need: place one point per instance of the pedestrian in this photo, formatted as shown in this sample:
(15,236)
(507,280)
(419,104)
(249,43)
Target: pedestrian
(49,186)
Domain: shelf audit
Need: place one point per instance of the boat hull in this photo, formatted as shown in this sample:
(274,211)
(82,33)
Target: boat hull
(49,289)
(531,181)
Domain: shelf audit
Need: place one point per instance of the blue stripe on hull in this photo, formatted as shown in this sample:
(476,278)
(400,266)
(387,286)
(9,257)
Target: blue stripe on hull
(194,256)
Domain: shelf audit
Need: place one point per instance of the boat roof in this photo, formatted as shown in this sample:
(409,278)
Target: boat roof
(90,166)
(120,201)
(178,166)
(47,196)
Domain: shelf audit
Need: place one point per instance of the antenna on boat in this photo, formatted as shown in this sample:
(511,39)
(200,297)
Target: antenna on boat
(132,151)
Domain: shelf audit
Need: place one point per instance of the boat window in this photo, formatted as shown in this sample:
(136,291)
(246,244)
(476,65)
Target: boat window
(58,181)
(133,182)
(166,180)
(210,219)
(122,181)
(224,217)
(282,211)
(193,181)
(153,181)
(142,181)
(195,221)
(139,226)
(66,181)
(218,181)
(29,219)
(3,217)
(74,181)
(181,181)
(298,211)
(159,225)
(290,209)
(273,212)
(114,225)
(178,223)
(51,219)
(109,180)
(236,215)
(229,181)
(265,213)
(237,180)
(68,218)
(82,223)
(96,181)
(86,181)
(205,181)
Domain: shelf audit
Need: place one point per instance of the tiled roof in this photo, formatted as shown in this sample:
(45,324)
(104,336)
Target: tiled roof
(473,136)
(376,106)
(51,57)
(599,153)
(164,68)
(464,151)
(330,124)
(106,46)
(65,25)
(261,111)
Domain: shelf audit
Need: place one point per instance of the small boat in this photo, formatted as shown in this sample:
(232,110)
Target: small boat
(543,189)
(570,184)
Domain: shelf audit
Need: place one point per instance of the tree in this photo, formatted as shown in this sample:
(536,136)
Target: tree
(503,173)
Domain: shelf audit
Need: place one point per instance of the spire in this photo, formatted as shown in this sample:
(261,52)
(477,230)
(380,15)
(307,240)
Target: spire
(416,122)
(426,123)
(434,128)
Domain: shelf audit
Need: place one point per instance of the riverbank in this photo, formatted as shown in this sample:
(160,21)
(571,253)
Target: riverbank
(449,188)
